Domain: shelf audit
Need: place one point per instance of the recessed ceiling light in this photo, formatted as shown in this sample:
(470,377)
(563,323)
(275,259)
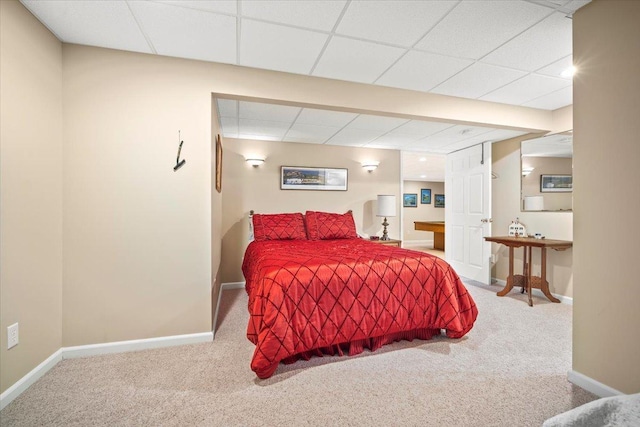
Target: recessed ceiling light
(423,159)
(423,176)
(568,73)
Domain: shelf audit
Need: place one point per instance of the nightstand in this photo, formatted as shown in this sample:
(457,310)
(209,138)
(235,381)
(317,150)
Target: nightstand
(390,242)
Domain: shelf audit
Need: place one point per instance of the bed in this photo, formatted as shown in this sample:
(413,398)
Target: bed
(316,288)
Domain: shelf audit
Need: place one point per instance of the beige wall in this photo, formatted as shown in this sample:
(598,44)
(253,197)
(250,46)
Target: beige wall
(606,195)
(30,191)
(423,212)
(547,166)
(247,188)
(505,207)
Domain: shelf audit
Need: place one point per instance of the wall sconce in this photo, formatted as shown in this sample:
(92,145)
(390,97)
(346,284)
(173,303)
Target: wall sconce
(255,162)
(526,171)
(370,166)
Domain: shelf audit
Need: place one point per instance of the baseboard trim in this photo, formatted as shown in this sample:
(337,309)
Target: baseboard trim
(25,382)
(232,285)
(94,350)
(591,385)
(537,292)
(134,345)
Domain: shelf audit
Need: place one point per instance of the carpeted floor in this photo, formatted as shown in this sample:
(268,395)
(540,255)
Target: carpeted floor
(510,370)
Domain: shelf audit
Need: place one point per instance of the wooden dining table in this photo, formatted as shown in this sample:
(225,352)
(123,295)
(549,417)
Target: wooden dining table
(526,280)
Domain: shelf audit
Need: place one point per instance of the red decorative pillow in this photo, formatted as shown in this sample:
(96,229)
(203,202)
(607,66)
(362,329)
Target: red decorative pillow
(286,226)
(325,225)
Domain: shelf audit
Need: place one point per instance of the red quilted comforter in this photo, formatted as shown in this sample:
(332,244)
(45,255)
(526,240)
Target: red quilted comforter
(334,296)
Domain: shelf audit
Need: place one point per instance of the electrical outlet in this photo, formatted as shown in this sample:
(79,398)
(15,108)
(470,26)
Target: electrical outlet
(12,336)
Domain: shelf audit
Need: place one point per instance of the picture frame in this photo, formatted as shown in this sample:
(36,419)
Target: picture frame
(410,200)
(438,200)
(556,183)
(425,196)
(218,164)
(313,178)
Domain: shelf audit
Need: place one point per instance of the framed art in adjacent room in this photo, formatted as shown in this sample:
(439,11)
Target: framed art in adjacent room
(218,164)
(425,196)
(410,200)
(438,200)
(310,178)
(556,183)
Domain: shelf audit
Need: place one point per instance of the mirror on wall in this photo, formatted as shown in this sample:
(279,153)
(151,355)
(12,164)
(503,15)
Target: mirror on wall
(547,173)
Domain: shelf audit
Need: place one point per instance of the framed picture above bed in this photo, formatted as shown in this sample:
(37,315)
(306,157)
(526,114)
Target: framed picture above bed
(312,178)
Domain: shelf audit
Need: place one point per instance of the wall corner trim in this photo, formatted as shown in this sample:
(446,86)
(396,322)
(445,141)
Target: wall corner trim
(591,385)
(97,349)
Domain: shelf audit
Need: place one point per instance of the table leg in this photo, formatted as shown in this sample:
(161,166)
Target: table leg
(528,275)
(544,285)
(510,278)
(524,269)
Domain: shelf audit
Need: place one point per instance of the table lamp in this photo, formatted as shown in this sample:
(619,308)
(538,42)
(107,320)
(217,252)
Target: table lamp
(386,208)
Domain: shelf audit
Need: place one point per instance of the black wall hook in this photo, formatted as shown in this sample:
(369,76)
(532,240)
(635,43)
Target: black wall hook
(179,163)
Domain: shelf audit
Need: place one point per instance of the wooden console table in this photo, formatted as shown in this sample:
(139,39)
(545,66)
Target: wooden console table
(526,280)
(438,231)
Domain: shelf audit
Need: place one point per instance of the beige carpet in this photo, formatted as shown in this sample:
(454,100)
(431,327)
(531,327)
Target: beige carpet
(510,370)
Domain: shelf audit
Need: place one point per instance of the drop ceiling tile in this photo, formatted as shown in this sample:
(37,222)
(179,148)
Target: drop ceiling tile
(395,141)
(262,129)
(477,80)
(553,101)
(557,68)
(526,89)
(227,108)
(493,136)
(353,137)
(314,134)
(187,33)
(228,7)
(107,24)
(574,5)
(541,45)
(396,22)
(486,24)
(376,123)
(355,60)
(324,117)
(449,136)
(316,15)
(280,48)
(421,128)
(270,112)
(422,71)
(229,127)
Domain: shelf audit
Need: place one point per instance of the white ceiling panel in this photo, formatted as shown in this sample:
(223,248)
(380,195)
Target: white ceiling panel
(187,33)
(487,25)
(395,22)
(418,166)
(421,128)
(422,71)
(355,60)
(526,89)
(554,100)
(557,68)
(312,134)
(262,129)
(227,108)
(537,47)
(270,112)
(378,123)
(354,137)
(451,135)
(325,117)
(98,23)
(229,127)
(492,136)
(392,141)
(477,80)
(227,7)
(317,15)
(275,47)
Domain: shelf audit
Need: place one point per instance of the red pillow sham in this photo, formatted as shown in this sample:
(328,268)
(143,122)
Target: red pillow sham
(284,226)
(326,225)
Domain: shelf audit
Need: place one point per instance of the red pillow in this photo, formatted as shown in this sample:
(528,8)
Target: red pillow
(286,226)
(325,225)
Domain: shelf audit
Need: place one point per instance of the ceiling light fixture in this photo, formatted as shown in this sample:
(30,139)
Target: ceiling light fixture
(569,72)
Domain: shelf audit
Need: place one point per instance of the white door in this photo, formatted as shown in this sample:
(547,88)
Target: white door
(467,191)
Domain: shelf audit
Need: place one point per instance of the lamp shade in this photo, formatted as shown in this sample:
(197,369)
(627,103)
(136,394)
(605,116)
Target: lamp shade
(533,203)
(386,205)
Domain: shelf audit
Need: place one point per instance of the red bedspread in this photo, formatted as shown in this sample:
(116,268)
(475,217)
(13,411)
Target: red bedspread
(308,297)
